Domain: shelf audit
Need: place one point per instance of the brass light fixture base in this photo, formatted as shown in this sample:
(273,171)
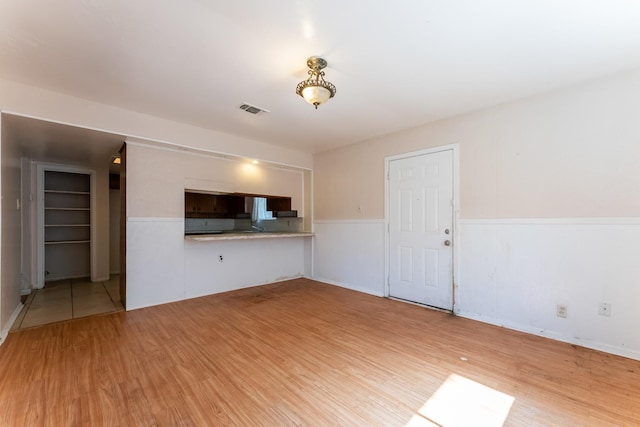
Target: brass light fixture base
(316,63)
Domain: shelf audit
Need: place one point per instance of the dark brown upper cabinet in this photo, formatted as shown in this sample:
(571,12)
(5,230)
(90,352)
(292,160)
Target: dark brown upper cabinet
(202,205)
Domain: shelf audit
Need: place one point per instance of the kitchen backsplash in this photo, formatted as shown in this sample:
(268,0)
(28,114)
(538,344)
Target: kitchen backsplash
(227,224)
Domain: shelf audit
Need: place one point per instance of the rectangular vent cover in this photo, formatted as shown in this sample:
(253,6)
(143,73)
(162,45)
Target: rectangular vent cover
(253,109)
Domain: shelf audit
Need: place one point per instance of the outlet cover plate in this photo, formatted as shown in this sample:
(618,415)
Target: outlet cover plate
(561,310)
(604,309)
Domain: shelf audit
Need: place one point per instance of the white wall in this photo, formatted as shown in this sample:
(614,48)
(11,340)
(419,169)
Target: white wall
(566,157)
(155,260)
(514,272)
(571,153)
(162,266)
(347,253)
(10,235)
(157,178)
(245,263)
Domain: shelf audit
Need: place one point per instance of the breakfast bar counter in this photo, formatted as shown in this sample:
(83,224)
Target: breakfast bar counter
(240,235)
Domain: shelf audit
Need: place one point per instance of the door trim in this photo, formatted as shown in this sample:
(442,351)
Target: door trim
(454,147)
(123,225)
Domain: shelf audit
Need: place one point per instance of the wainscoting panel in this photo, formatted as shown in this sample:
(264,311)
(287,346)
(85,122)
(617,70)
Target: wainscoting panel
(155,261)
(515,273)
(220,266)
(350,254)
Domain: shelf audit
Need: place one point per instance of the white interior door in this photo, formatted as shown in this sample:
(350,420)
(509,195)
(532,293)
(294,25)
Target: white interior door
(421,229)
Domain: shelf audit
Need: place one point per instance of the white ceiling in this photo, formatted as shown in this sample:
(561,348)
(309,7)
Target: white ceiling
(396,64)
(57,143)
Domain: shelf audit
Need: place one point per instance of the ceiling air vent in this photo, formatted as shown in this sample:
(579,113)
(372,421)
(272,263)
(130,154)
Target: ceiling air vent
(253,109)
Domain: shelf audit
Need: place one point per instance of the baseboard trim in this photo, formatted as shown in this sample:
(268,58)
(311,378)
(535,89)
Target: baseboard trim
(154,219)
(349,221)
(5,331)
(618,351)
(347,286)
(430,307)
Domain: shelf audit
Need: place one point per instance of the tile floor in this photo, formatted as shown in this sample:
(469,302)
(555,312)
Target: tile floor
(69,299)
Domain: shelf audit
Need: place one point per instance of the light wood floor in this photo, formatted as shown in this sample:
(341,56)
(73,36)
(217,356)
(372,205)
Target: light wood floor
(305,353)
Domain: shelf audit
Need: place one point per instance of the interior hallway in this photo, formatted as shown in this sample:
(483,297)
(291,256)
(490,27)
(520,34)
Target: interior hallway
(69,299)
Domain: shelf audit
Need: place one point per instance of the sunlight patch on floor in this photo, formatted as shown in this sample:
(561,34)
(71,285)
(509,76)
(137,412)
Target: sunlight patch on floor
(462,402)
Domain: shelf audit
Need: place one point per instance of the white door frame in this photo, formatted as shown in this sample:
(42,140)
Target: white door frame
(41,168)
(456,210)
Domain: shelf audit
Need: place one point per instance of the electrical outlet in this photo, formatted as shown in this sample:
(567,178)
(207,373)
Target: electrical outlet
(561,310)
(220,258)
(604,309)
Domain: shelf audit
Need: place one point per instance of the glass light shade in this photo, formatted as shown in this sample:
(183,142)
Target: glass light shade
(316,95)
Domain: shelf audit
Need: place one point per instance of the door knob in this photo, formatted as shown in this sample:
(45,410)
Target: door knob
(447,242)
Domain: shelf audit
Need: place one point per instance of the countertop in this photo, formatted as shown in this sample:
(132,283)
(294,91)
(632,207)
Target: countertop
(248,236)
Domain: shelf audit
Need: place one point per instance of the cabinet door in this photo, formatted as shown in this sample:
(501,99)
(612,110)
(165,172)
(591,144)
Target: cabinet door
(220,205)
(205,205)
(279,204)
(236,206)
(199,205)
(190,204)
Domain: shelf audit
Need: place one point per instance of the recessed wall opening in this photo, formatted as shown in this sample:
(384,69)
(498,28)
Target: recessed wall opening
(61,213)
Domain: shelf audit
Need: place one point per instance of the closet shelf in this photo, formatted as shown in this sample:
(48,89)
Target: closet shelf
(46,208)
(67,192)
(67,225)
(65,242)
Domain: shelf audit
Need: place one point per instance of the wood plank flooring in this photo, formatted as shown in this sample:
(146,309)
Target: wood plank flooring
(305,353)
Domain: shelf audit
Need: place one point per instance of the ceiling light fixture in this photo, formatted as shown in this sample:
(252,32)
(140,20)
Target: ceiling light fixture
(316,90)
